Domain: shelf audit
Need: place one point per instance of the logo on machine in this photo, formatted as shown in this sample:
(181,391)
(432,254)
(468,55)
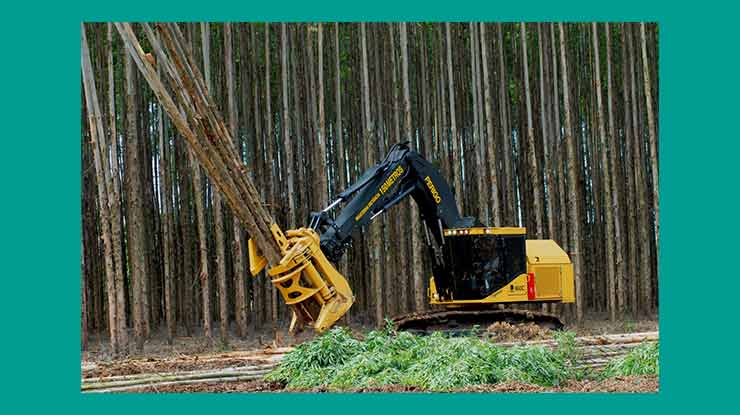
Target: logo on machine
(398,172)
(433,189)
(517,287)
(391,179)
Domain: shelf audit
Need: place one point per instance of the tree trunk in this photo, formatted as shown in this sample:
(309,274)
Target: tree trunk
(574,208)
(534,173)
(416,249)
(508,185)
(322,188)
(97,137)
(116,212)
(83,297)
(272,163)
(339,140)
(371,159)
(135,221)
(616,185)
(633,232)
(456,167)
(240,272)
(287,143)
(167,226)
(606,172)
(203,273)
(641,190)
(652,135)
(490,135)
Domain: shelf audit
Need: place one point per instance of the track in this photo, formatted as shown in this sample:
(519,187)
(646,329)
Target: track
(463,321)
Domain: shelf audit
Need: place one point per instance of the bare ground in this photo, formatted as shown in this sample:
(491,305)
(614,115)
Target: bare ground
(597,326)
(197,353)
(632,384)
(157,347)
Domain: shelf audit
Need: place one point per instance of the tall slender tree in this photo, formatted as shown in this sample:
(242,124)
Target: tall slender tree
(135,219)
(574,208)
(456,168)
(653,139)
(240,300)
(97,137)
(608,213)
(531,148)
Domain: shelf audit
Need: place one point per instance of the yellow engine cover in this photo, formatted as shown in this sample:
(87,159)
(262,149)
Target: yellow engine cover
(549,278)
(552,271)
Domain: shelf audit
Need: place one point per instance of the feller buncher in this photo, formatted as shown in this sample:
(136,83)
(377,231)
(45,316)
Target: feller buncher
(474,268)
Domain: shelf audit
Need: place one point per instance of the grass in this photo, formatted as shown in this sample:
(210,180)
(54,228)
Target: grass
(336,360)
(642,360)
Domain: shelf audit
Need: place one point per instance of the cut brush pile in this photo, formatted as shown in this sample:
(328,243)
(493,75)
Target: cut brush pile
(642,360)
(338,361)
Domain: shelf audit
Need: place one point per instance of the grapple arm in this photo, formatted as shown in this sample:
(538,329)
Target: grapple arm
(316,292)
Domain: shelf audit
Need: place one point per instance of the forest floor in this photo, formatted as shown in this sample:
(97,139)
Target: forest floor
(157,347)
(625,384)
(193,364)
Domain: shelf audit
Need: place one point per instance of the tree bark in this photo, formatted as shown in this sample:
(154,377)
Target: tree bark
(370,159)
(632,229)
(490,135)
(416,249)
(534,173)
(616,186)
(641,188)
(240,272)
(574,208)
(322,188)
(95,122)
(652,135)
(508,185)
(287,141)
(167,226)
(198,185)
(135,221)
(455,167)
(606,176)
(116,211)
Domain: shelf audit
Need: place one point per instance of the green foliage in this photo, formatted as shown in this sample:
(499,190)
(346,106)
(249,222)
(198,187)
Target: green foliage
(436,362)
(629,325)
(312,360)
(642,360)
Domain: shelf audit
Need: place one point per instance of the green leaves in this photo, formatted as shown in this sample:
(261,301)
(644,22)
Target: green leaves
(642,360)
(436,362)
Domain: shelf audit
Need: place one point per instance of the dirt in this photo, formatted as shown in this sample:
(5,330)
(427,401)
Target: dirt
(599,326)
(505,332)
(196,344)
(224,387)
(133,367)
(157,347)
(196,353)
(631,384)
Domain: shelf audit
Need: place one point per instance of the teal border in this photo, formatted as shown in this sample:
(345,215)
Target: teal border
(40,225)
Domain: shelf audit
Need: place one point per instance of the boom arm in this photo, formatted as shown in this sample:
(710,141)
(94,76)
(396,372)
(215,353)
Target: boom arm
(402,173)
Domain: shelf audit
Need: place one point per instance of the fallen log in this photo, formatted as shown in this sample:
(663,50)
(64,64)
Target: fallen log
(592,340)
(226,373)
(153,375)
(132,388)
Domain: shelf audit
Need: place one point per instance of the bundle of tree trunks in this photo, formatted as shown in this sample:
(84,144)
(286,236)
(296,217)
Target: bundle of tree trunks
(147,373)
(192,110)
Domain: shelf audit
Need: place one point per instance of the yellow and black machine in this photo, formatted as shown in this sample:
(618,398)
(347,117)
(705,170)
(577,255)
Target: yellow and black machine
(474,268)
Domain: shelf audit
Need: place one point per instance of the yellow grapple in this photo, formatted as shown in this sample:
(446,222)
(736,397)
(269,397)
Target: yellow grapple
(316,292)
